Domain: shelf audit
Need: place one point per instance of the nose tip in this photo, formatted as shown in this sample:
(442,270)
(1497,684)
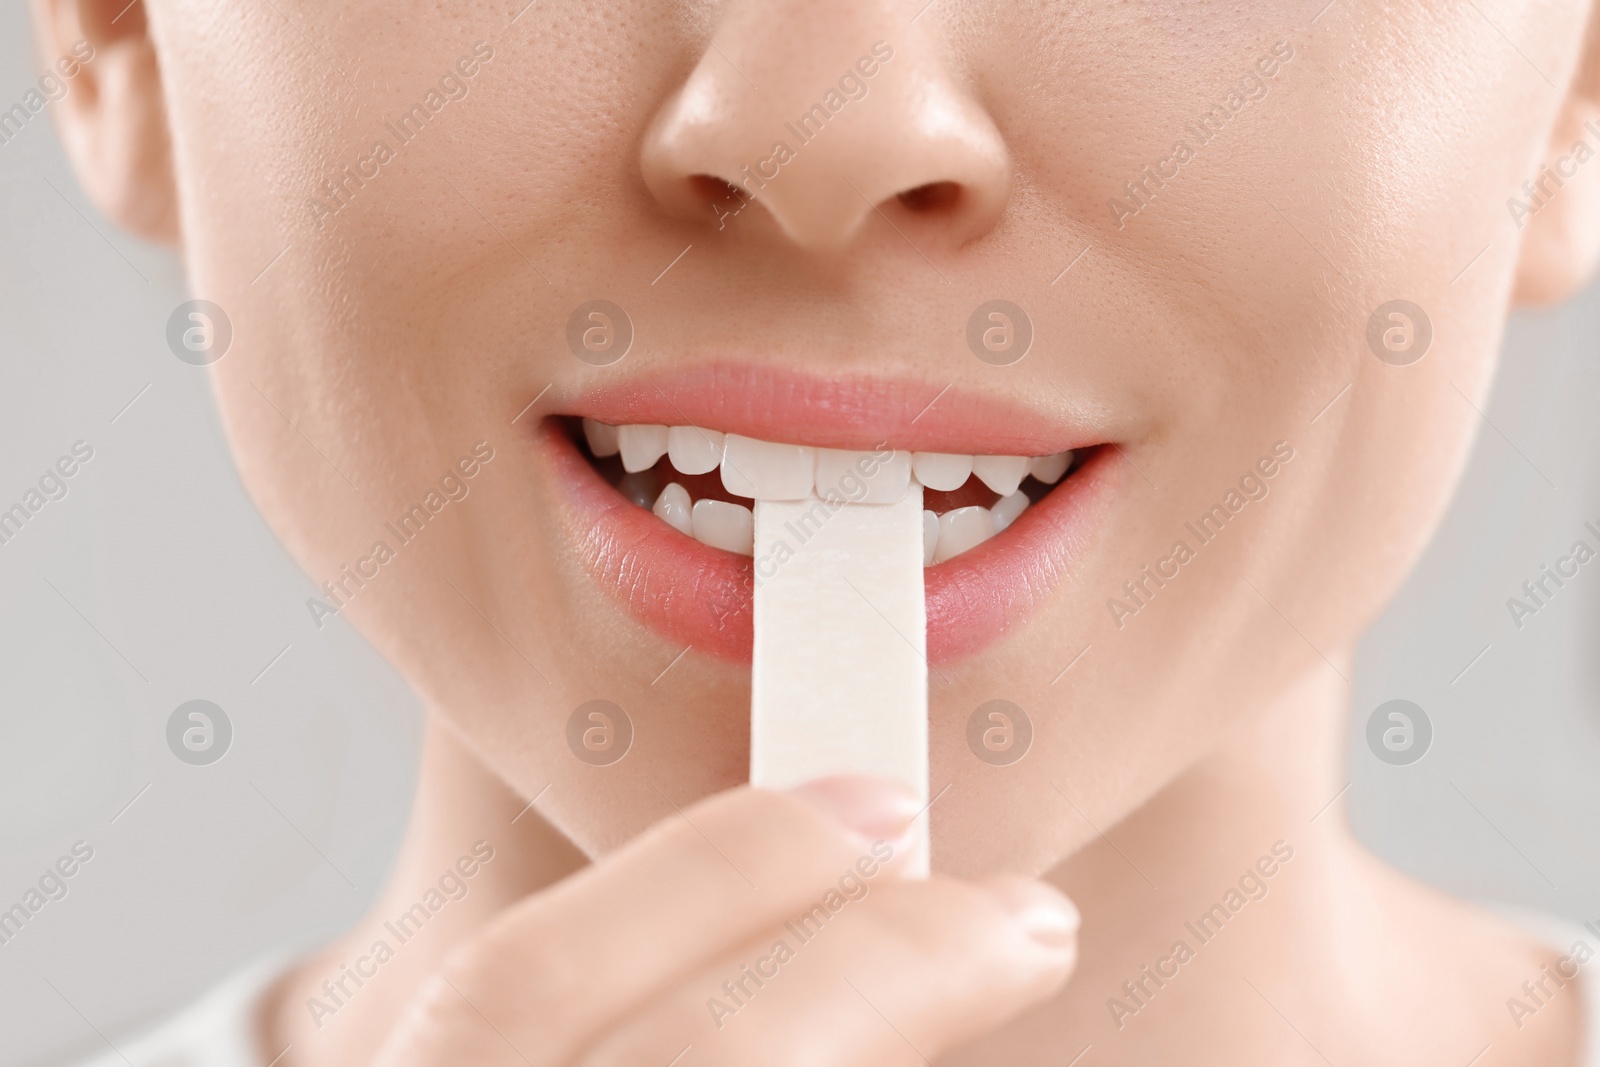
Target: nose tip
(845,124)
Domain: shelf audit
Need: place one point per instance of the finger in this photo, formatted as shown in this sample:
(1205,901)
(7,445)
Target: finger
(557,968)
(895,978)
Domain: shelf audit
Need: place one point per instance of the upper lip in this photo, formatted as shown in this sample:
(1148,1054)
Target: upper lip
(862,412)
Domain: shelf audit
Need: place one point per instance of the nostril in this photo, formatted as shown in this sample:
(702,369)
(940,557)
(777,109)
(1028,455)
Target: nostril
(932,198)
(712,198)
(709,189)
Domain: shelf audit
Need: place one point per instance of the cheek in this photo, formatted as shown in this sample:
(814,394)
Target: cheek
(343,413)
(1236,301)
(395,262)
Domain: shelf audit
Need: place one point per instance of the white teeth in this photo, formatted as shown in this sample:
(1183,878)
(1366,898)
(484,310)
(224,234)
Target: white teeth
(730,527)
(839,473)
(767,471)
(673,507)
(602,438)
(944,471)
(1001,473)
(1049,469)
(962,529)
(762,470)
(693,450)
(1007,508)
(641,446)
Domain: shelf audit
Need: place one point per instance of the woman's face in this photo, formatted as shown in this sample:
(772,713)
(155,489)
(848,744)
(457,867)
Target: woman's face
(1205,211)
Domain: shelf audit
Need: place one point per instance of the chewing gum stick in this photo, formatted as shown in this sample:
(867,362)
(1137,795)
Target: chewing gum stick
(839,680)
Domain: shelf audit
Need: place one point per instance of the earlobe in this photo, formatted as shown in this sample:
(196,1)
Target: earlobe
(112,119)
(1557,210)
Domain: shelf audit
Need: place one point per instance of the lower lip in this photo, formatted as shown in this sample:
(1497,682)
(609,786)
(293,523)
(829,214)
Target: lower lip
(702,597)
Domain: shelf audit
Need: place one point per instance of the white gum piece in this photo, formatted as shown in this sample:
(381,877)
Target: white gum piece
(862,477)
(839,675)
(693,450)
(767,471)
(930,537)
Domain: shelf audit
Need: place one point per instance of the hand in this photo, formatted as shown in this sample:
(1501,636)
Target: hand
(757,928)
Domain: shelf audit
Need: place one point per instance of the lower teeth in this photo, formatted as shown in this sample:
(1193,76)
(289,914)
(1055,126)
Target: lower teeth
(730,526)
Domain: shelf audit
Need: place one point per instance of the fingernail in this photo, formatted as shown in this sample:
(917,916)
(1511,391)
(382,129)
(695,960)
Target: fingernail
(875,808)
(1039,908)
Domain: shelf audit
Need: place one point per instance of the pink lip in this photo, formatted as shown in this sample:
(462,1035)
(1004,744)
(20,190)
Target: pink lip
(702,597)
(834,412)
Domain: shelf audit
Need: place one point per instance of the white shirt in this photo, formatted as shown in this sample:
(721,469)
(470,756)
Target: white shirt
(219,1030)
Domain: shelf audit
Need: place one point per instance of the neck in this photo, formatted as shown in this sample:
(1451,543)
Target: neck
(1234,858)
(1246,860)
(1274,778)
(1237,898)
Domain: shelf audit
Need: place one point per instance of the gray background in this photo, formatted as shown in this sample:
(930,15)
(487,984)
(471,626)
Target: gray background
(155,582)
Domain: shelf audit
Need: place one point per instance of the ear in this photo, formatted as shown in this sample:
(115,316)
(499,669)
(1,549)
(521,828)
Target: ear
(113,119)
(1560,221)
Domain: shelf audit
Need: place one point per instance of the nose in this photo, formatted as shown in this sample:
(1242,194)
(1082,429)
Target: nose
(821,113)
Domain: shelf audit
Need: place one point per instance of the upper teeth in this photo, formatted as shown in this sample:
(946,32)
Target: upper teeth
(762,470)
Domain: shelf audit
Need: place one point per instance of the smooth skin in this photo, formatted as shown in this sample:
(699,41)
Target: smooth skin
(1227,314)
(589,972)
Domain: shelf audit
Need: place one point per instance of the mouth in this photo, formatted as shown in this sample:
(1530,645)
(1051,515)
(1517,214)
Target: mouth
(661,487)
(704,482)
